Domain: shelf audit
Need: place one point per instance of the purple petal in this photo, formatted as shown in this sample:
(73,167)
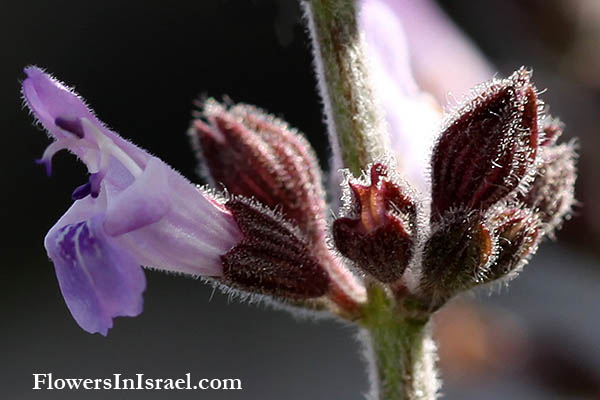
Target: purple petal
(144,202)
(49,99)
(151,214)
(99,280)
(191,237)
(81,210)
(59,109)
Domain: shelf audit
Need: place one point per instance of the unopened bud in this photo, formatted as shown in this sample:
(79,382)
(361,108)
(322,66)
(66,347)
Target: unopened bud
(256,155)
(518,234)
(488,148)
(272,258)
(380,237)
(456,257)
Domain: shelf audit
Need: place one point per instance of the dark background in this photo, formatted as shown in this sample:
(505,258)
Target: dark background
(140,64)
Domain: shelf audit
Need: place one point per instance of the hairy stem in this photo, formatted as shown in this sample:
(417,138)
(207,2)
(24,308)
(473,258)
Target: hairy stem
(400,351)
(356,129)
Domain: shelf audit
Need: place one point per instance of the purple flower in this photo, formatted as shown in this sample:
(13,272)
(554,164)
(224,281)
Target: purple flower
(442,57)
(134,210)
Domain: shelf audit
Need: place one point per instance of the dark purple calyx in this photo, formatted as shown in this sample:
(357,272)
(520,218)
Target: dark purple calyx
(272,258)
(381,238)
(455,257)
(488,149)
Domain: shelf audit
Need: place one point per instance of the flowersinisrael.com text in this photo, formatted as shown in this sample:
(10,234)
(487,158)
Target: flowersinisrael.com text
(47,381)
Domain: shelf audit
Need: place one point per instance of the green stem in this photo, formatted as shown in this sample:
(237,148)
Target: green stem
(400,351)
(355,123)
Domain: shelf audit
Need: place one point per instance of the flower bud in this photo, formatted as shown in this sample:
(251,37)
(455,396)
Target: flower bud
(380,237)
(488,148)
(551,194)
(256,155)
(518,234)
(455,257)
(272,258)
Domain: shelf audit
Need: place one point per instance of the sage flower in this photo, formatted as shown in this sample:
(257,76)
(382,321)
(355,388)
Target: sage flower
(137,211)
(134,210)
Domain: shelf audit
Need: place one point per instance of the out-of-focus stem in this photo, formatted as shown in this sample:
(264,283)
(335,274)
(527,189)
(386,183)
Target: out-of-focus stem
(356,128)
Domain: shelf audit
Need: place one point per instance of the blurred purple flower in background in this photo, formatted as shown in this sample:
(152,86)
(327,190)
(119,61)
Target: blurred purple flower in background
(416,53)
